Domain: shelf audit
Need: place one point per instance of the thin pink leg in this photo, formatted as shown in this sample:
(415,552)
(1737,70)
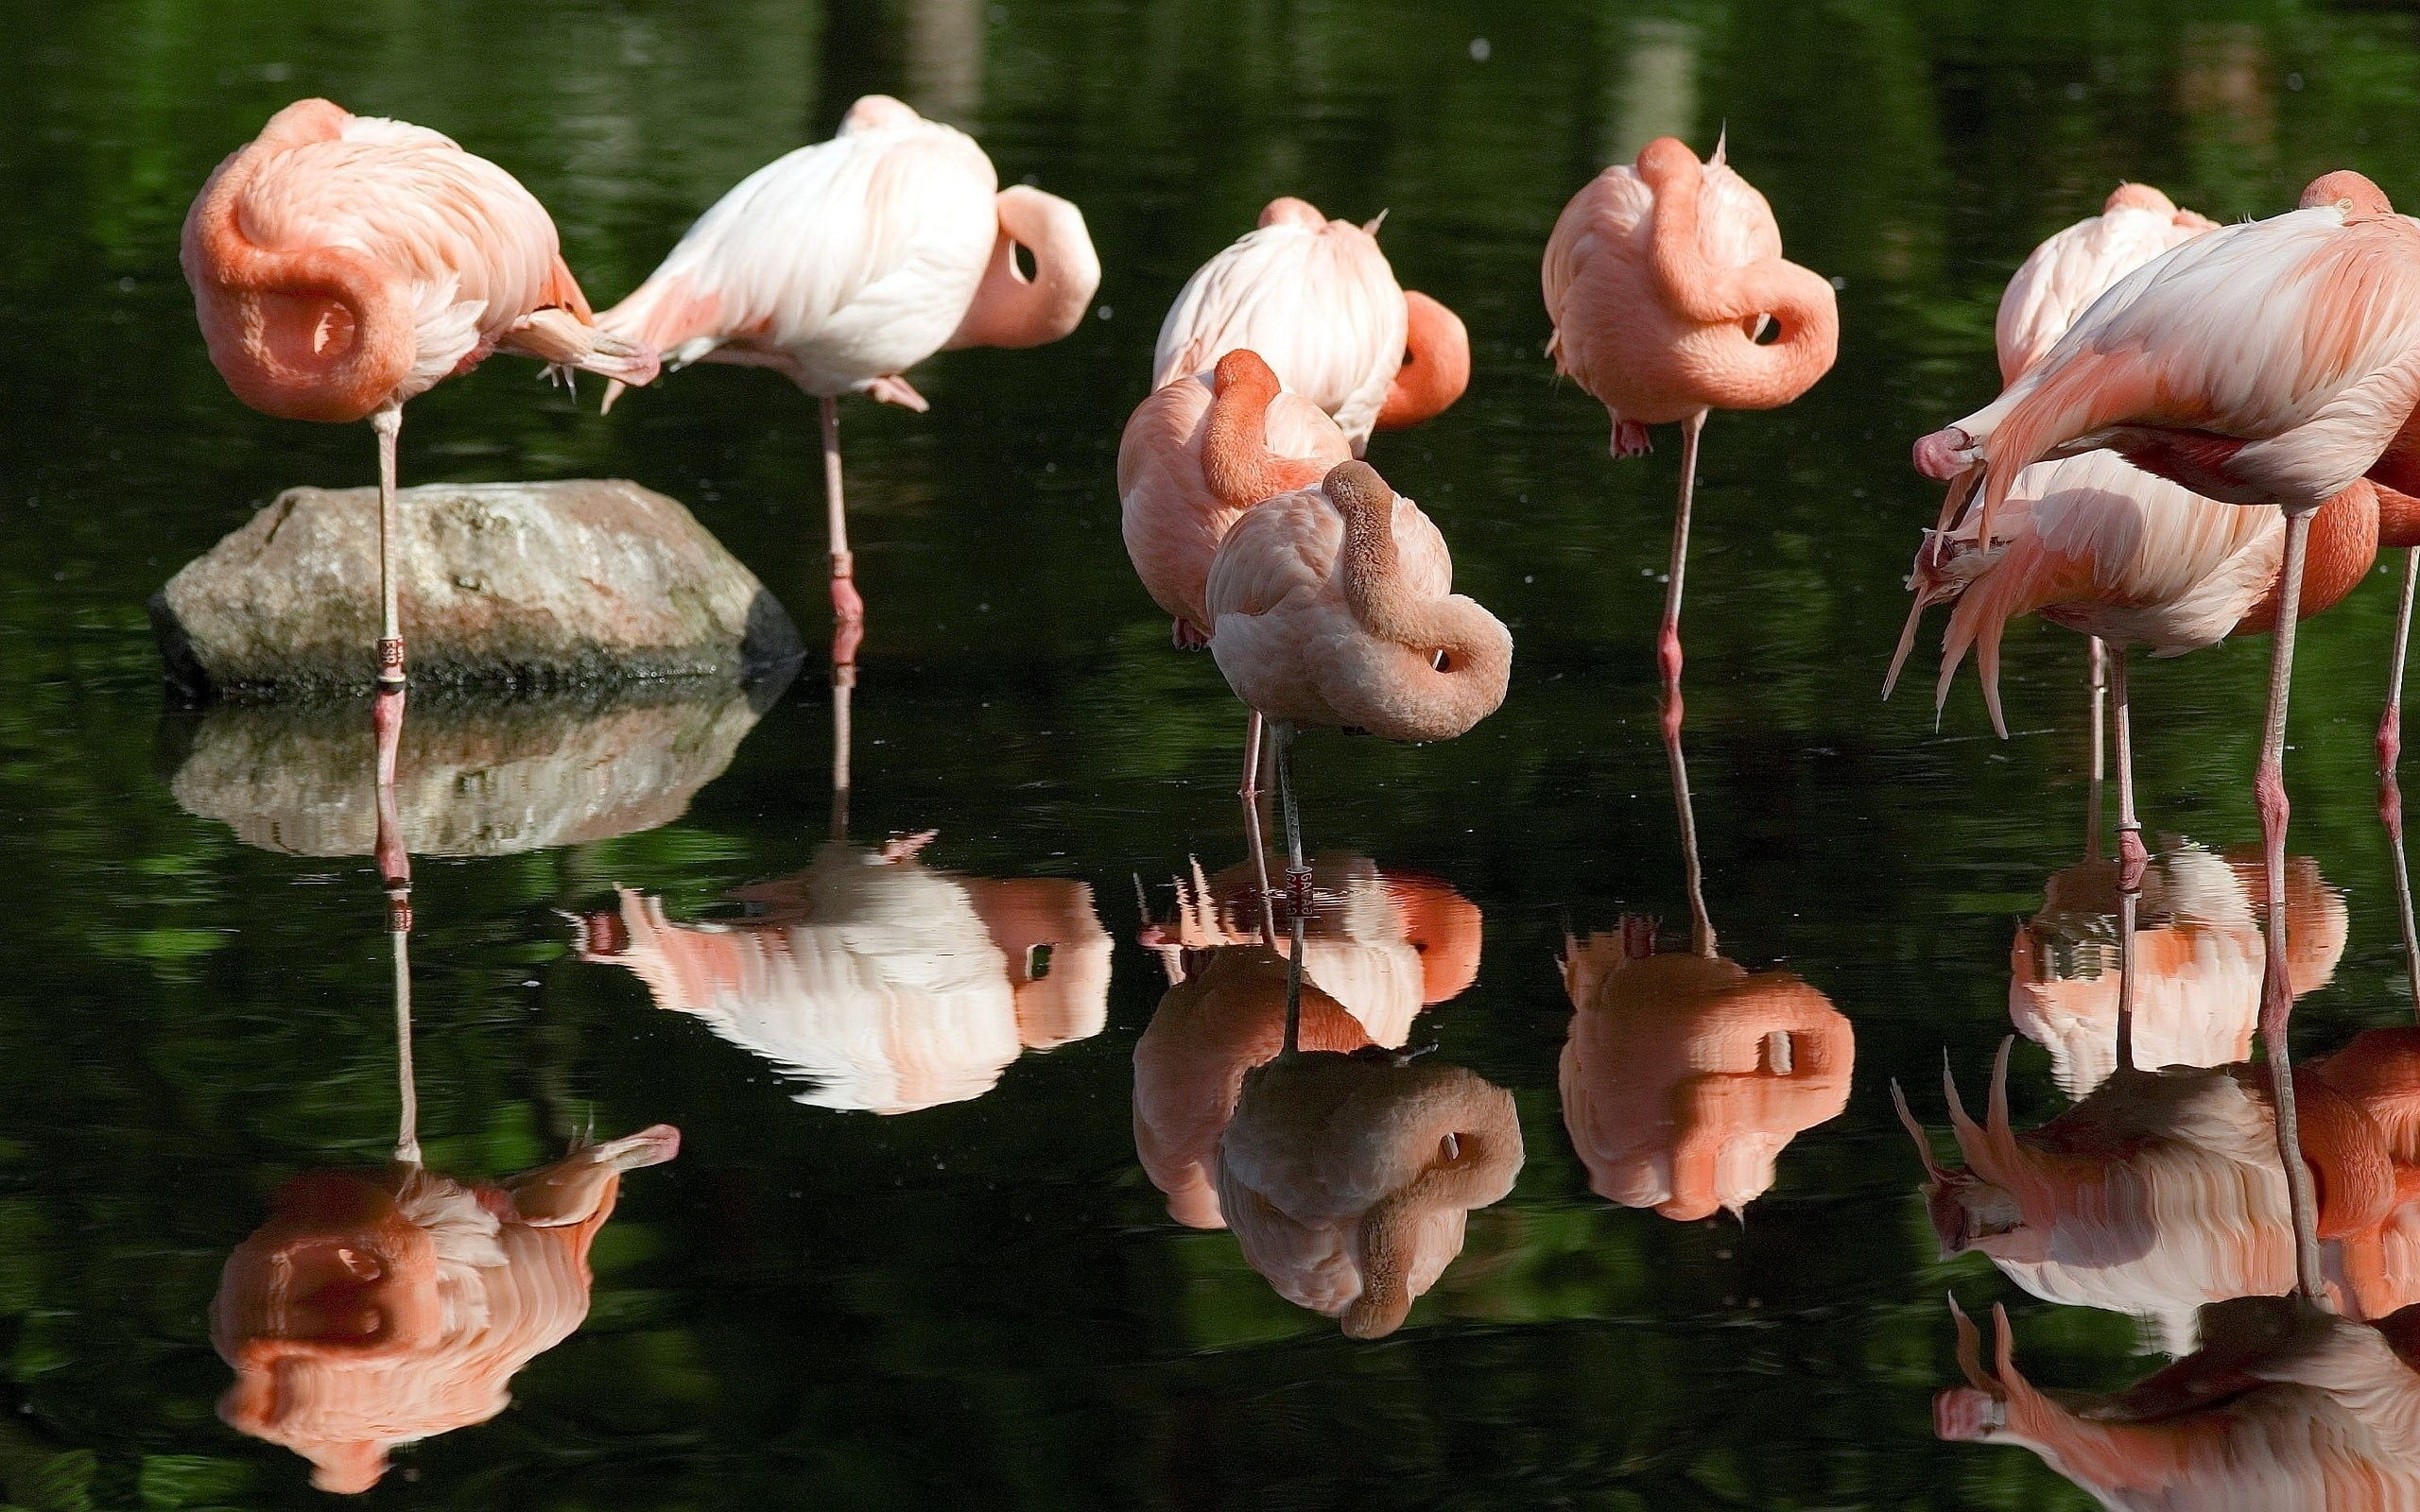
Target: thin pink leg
(2276,991)
(848,610)
(2099,661)
(1668,636)
(2390,721)
(2390,791)
(395,876)
(1252,726)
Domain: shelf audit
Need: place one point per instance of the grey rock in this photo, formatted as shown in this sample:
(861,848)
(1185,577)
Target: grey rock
(517,587)
(472,778)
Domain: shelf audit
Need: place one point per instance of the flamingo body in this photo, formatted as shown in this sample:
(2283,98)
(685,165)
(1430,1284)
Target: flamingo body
(1314,629)
(1170,514)
(1319,302)
(2073,267)
(342,264)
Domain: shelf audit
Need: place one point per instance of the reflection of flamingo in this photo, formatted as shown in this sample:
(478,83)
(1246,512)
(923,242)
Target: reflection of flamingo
(2197,964)
(1347,1178)
(844,263)
(886,986)
(375,1308)
(1217,1022)
(2284,1409)
(1317,299)
(1659,280)
(2162,1190)
(1383,942)
(1686,1076)
(1194,457)
(1322,616)
(342,265)
(2271,363)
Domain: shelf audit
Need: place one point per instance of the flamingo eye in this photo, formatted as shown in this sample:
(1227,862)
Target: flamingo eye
(1439,660)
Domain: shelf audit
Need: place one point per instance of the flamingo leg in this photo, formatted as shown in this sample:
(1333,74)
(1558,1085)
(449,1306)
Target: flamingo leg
(395,875)
(2391,720)
(1693,874)
(389,423)
(2099,661)
(1253,726)
(2132,858)
(848,610)
(1667,638)
(2276,990)
(1297,886)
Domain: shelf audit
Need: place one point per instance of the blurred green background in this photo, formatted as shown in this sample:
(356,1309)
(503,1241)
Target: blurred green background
(983,1304)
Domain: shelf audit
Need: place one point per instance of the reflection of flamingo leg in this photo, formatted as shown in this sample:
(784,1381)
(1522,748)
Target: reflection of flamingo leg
(2391,792)
(1701,923)
(1298,886)
(2098,658)
(1258,844)
(2277,988)
(395,872)
(844,680)
(2132,858)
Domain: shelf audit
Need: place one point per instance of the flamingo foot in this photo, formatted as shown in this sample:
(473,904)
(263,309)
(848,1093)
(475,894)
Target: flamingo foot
(1631,438)
(1188,636)
(1945,454)
(896,390)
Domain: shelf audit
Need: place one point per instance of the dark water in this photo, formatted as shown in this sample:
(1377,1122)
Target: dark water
(985,1300)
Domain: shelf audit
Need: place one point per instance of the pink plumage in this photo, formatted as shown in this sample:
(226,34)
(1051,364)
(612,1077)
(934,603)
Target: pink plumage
(341,263)
(2075,267)
(1333,607)
(1319,302)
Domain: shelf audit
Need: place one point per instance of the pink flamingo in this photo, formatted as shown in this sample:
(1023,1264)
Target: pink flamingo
(1195,456)
(1659,280)
(342,265)
(2073,267)
(2270,363)
(845,262)
(1333,607)
(1320,302)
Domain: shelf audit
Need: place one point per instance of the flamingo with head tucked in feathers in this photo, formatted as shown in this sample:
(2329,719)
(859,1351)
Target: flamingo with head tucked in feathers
(1659,280)
(1319,302)
(2272,363)
(847,261)
(342,265)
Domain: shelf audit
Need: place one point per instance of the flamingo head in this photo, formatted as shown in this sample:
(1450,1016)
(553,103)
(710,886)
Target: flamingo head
(1243,369)
(1287,211)
(2349,192)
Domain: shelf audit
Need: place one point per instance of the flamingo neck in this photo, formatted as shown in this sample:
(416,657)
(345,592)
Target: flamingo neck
(1436,363)
(1010,310)
(1467,651)
(1237,463)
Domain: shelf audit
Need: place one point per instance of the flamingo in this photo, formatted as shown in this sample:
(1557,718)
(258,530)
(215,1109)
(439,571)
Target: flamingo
(2072,267)
(1348,1178)
(2284,1409)
(845,262)
(1659,280)
(342,265)
(1193,456)
(2275,362)
(1332,607)
(1319,300)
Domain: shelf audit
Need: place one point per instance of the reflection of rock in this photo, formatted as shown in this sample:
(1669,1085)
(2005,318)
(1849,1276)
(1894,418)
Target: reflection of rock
(474,779)
(2284,1409)
(375,1308)
(1223,1017)
(1686,1076)
(2198,953)
(1382,941)
(1347,1178)
(886,986)
(2163,1191)
(513,586)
